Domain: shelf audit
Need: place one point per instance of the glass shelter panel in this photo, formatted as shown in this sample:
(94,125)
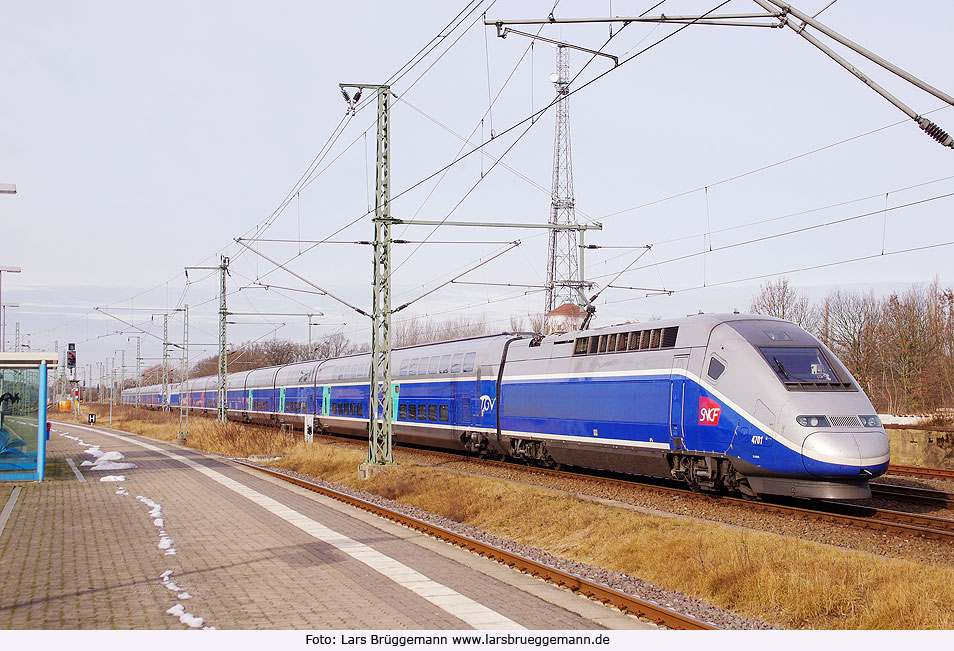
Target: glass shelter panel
(20,416)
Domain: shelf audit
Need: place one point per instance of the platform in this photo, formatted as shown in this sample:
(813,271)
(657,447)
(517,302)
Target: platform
(191,541)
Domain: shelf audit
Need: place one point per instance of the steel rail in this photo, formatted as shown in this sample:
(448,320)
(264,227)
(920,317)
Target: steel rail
(890,491)
(923,473)
(923,428)
(660,615)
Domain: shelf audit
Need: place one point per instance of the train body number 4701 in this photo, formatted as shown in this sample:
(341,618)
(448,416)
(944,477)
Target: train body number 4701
(758,439)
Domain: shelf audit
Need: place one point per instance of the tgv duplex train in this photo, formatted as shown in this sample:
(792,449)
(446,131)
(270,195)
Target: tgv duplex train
(738,402)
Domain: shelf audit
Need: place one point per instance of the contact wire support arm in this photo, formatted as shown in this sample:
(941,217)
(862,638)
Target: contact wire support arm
(324,291)
(926,125)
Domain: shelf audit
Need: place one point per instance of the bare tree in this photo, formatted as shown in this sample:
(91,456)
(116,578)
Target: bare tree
(335,345)
(538,322)
(779,299)
(850,325)
(420,330)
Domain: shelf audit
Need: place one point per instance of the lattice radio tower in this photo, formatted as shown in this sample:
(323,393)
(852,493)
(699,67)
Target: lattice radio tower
(562,257)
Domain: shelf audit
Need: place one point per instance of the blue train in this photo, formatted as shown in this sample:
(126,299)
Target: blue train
(722,402)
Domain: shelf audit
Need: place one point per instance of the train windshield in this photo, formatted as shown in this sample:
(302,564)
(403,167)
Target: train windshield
(799,365)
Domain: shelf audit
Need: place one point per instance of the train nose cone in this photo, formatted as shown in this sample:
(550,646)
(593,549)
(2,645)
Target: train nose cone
(845,454)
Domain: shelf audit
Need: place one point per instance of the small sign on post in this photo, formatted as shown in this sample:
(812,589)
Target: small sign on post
(92,419)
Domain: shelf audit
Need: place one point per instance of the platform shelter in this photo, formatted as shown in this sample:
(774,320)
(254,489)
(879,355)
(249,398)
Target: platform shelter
(23,402)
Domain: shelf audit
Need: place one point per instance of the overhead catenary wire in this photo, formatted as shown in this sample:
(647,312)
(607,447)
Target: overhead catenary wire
(404,69)
(794,231)
(710,241)
(759,222)
(794,270)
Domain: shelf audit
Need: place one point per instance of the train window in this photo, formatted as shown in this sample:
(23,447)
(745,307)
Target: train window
(412,367)
(602,347)
(435,363)
(594,345)
(422,412)
(456,362)
(403,370)
(360,409)
(334,409)
(716,369)
(432,412)
(353,410)
(611,343)
(411,411)
(801,366)
(445,363)
(445,413)
(402,411)
(654,342)
(470,360)
(581,346)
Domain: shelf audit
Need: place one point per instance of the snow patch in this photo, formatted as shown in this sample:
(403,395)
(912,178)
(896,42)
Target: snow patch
(113,478)
(122,491)
(188,619)
(111,465)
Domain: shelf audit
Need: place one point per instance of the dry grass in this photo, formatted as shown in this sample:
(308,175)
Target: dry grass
(234,439)
(794,583)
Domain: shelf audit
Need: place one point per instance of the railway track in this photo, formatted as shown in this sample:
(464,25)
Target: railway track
(900,522)
(912,493)
(661,615)
(923,473)
(860,517)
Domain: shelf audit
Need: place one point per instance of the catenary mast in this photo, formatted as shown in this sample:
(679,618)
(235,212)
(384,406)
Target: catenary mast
(562,258)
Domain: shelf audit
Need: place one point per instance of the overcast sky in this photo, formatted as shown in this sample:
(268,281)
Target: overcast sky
(145,137)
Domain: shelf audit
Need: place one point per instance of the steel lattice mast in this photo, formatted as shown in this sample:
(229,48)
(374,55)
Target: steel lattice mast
(562,258)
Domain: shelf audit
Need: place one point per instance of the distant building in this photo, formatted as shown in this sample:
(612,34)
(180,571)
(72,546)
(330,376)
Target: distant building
(565,318)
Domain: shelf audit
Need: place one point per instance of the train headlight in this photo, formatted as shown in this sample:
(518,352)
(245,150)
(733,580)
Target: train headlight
(870,421)
(813,421)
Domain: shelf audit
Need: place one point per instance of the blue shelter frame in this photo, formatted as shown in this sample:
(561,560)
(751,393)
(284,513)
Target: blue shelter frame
(23,410)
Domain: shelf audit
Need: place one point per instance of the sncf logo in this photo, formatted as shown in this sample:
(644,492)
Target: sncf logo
(709,411)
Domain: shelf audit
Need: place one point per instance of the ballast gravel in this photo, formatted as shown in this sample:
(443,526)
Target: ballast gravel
(630,585)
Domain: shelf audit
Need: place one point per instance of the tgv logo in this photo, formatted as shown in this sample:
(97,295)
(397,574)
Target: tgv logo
(486,404)
(709,411)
